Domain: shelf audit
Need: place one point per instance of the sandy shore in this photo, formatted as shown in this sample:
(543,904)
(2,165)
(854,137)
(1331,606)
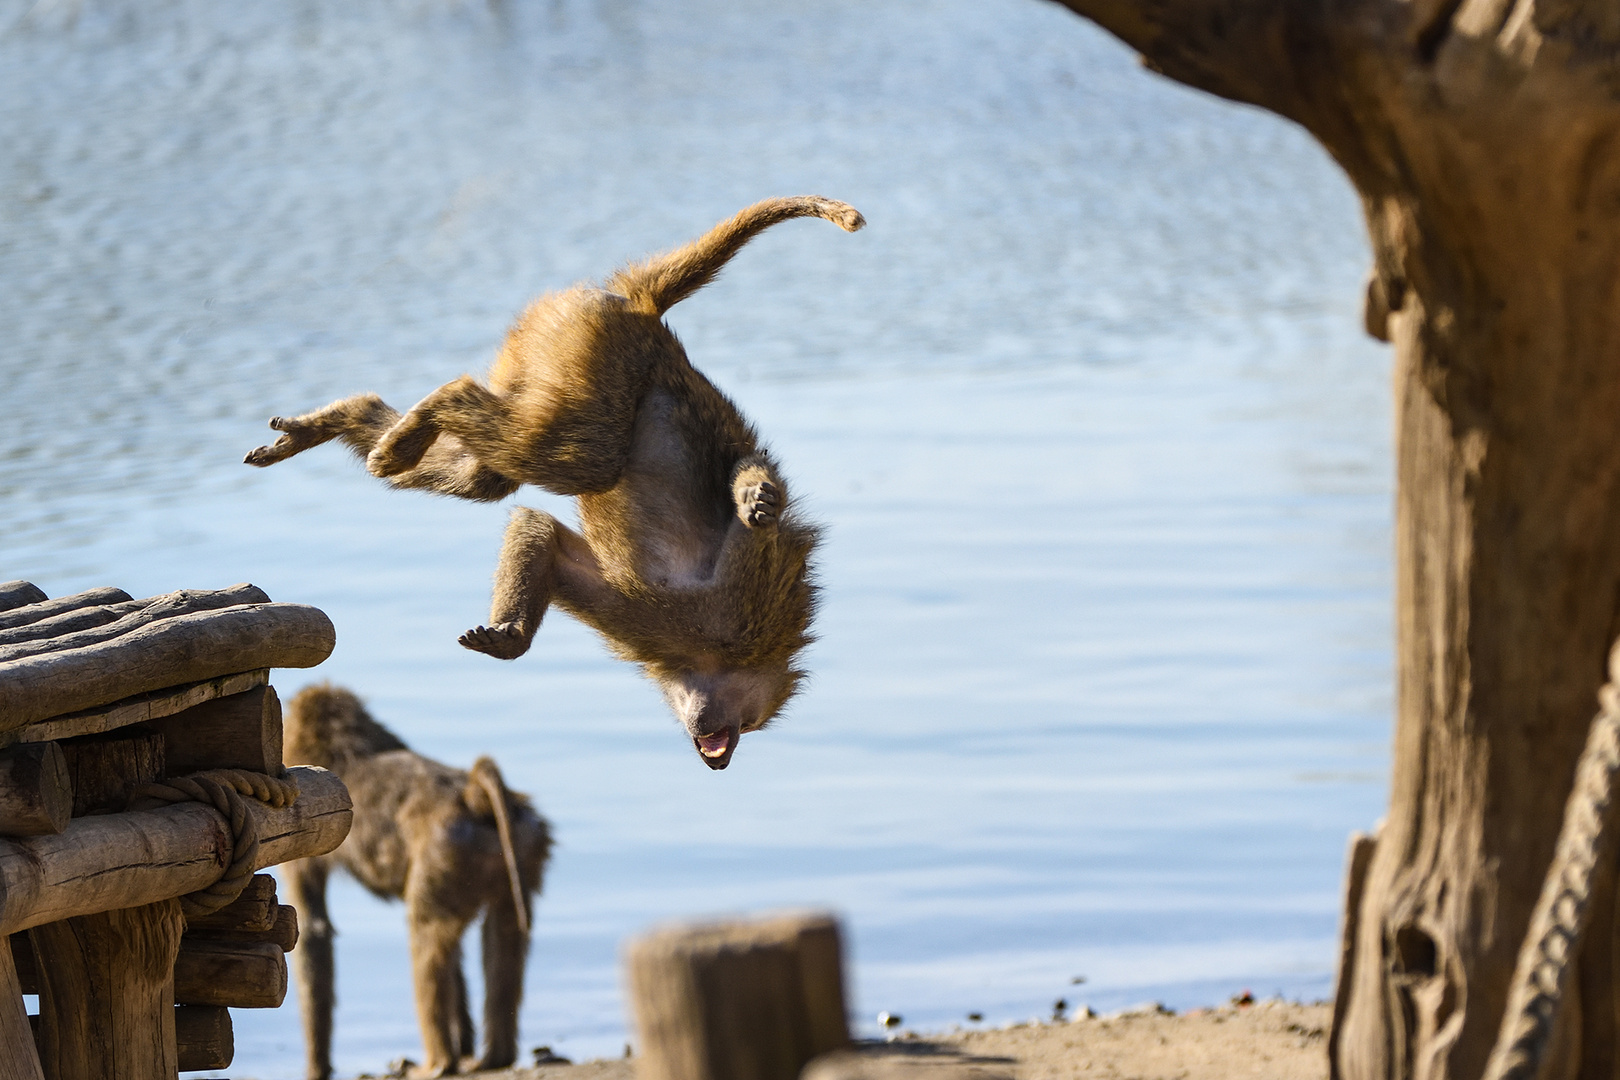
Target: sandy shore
(1269,1040)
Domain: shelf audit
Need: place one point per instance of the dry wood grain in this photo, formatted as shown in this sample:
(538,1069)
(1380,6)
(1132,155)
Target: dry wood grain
(103,601)
(182,649)
(146,612)
(136,709)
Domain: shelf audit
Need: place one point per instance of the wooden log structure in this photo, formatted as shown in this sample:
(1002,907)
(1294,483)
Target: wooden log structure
(99,694)
(740,1000)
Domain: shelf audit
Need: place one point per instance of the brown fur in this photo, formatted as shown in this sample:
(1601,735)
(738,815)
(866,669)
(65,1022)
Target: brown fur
(451,844)
(689,560)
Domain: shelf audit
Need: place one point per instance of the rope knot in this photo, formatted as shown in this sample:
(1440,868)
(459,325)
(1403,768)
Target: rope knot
(226,790)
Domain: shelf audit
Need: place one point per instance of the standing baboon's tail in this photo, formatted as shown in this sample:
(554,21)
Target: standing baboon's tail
(661,282)
(484,774)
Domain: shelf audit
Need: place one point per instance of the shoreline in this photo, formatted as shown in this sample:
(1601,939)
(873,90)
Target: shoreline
(1268,1040)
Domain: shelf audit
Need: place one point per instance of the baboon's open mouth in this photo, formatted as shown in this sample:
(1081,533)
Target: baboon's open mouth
(717,747)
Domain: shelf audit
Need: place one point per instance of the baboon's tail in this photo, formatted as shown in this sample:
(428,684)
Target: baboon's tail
(661,282)
(486,775)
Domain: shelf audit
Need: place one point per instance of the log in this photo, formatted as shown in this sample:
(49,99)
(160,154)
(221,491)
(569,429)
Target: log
(230,974)
(186,648)
(67,622)
(284,934)
(182,602)
(134,710)
(752,1000)
(47,611)
(105,769)
(106,995)
(242,731)
(36,792)
(19,1060)
(14,594)
(139,857)
(203,1037)
(252,912)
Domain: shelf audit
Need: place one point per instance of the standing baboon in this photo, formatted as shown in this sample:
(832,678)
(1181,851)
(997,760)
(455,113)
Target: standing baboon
(689,560)
(451,844)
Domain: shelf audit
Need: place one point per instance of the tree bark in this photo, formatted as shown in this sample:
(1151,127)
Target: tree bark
(1484,139)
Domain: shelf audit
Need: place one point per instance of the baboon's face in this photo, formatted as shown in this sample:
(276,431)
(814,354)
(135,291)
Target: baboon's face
(718,707)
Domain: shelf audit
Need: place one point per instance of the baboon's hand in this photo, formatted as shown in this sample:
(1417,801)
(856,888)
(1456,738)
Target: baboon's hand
(504,642)
(758,504)
(293,440)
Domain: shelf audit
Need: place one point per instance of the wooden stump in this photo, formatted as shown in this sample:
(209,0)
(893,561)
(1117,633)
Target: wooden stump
(750,1000)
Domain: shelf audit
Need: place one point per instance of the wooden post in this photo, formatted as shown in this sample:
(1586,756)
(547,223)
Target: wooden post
(36,793)
(106,1001)
(749,1000)
(19,1060)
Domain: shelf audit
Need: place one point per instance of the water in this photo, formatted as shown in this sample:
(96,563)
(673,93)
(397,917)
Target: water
(1105,663)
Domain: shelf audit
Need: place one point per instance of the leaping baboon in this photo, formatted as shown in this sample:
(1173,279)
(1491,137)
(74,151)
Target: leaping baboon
(689,559)
(451,844)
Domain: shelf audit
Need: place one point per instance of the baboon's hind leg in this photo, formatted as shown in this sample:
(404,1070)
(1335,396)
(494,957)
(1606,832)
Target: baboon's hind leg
(362,420)
(506,948)
(312,962)
(435,939)
(359,421)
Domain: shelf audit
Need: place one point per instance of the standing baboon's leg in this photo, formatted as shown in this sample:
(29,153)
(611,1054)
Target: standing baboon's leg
(435,955)
(466,1045)
(506,950)
(539,555)
(758,493)
(312,962)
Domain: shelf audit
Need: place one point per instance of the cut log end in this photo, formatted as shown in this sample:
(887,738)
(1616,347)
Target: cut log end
(745,1000)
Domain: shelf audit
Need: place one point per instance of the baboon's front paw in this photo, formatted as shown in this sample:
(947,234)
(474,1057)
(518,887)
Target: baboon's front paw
(758,504)
(505,641)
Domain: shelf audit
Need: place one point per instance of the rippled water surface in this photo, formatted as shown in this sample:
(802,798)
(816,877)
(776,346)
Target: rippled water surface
(1103,458)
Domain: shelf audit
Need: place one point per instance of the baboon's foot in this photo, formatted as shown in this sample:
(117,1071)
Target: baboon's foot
(504,641)
(296,437)
(758,504)
(401,447)
(413,1071)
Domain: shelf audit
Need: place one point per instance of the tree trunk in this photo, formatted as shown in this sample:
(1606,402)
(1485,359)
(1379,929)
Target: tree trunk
(1484,138)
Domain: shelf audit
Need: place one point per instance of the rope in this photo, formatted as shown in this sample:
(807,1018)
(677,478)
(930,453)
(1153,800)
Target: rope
(1546,959)
(223,789)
